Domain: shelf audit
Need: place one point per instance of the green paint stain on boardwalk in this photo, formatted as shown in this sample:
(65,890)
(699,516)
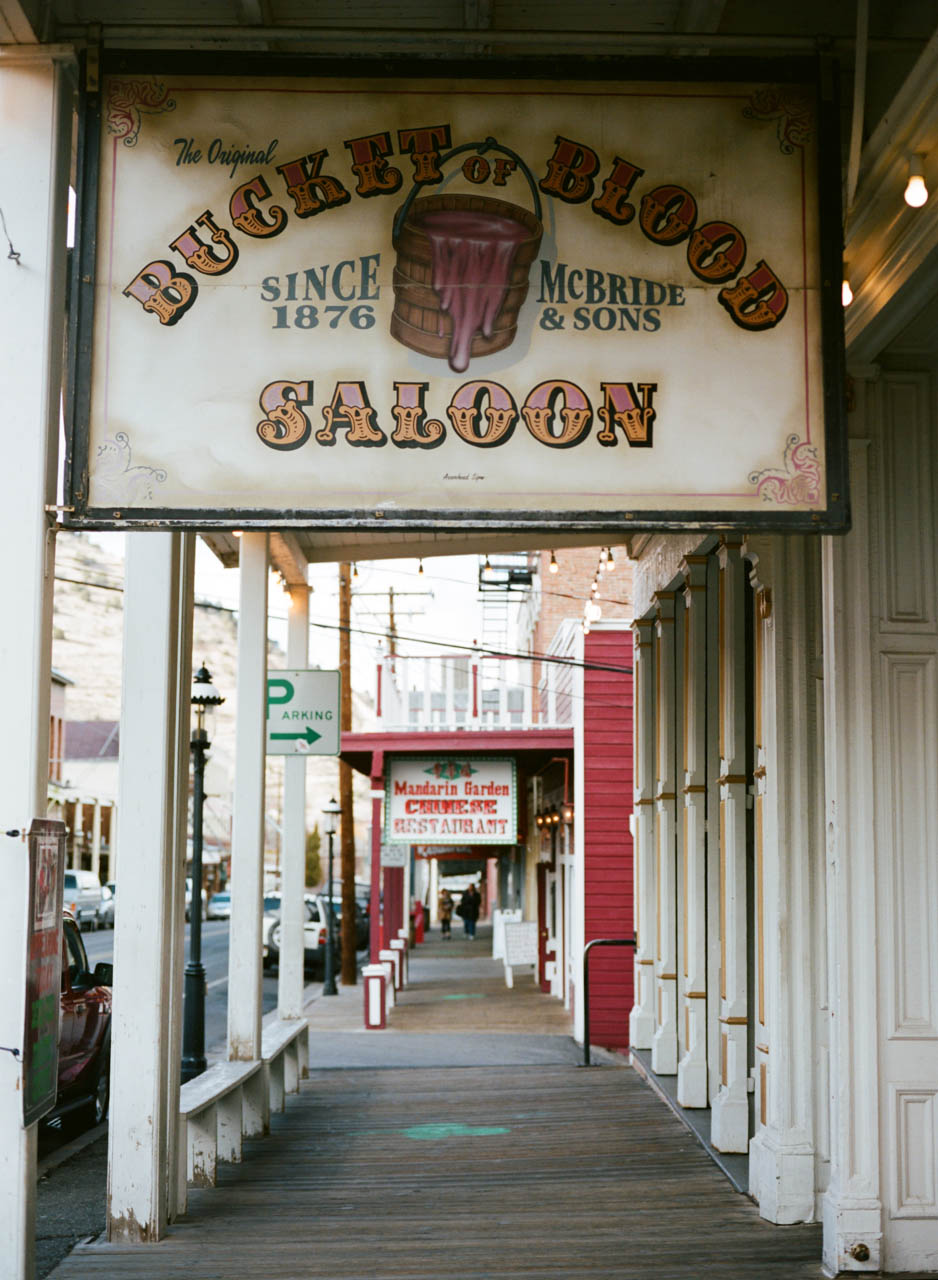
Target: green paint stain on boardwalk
(466,995)
(436,1132)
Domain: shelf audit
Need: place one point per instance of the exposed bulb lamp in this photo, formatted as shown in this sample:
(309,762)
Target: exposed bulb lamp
(916,193)
(846,293)
(553,566)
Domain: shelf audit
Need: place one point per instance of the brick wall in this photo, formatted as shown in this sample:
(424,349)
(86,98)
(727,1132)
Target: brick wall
(564,593)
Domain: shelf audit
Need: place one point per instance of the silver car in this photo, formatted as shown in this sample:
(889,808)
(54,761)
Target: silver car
(83,897)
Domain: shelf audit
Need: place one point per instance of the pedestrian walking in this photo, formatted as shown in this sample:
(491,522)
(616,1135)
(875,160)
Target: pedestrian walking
(445,909)
(470,906)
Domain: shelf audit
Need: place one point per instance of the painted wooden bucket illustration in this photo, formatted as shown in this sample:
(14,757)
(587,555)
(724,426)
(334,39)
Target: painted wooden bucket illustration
(462,268)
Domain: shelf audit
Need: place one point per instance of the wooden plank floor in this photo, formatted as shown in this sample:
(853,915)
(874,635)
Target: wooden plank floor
(474,1173)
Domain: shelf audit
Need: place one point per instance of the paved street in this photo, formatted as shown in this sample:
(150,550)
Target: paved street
(100,946)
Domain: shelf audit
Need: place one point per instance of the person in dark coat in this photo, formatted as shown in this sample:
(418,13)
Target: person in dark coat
(471,905)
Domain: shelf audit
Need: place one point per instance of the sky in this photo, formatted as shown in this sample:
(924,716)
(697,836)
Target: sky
(442,604)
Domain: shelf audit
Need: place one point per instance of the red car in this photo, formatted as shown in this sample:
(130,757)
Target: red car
(84,1086)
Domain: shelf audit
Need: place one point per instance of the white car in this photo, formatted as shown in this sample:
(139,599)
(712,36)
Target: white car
(189,899)
(314,934)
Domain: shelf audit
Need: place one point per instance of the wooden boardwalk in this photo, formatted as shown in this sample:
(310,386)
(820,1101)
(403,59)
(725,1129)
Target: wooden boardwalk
(475,1173)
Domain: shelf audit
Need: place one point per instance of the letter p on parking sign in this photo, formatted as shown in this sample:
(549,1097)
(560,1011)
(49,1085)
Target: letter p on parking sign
(303,713)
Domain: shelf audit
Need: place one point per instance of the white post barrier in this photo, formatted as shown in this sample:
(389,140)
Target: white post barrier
(392,958)
(399,947)
(376,1018)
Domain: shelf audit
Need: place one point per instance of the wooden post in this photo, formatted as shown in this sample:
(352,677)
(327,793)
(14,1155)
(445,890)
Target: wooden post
(293,866)
(347,837)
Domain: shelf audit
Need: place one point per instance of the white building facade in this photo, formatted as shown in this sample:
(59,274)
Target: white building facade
(786,761)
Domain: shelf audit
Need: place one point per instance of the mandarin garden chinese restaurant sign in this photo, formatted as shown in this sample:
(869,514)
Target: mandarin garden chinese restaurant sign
(450,800)
(587,304)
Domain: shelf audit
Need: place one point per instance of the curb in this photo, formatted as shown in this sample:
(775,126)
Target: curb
(61,1154)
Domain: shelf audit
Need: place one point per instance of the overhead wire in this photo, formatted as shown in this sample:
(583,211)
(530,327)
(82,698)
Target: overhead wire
(435,642)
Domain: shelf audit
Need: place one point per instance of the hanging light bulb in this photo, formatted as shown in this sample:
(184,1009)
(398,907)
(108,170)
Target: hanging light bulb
(846,293)
(553,563)
(594,586)
(354,569)
(420,568)
(916,193)
(486,568)
(610,563)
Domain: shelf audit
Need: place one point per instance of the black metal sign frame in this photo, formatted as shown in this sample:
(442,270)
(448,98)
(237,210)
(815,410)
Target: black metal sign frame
(832,517)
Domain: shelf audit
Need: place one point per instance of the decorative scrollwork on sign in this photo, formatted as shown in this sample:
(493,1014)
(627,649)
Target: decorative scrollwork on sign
(799,483)
(128,100)
(791,110)
(117,482)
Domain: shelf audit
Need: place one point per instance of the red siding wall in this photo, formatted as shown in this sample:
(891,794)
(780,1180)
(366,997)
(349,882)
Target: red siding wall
(607,763)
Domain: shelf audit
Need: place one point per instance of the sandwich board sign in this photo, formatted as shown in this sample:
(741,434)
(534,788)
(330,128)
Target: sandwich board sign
(303,715)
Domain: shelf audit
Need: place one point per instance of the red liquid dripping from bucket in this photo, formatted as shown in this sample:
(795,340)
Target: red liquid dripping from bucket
(472,257)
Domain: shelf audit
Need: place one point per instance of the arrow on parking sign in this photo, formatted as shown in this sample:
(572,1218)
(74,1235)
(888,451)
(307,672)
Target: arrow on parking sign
(310,736)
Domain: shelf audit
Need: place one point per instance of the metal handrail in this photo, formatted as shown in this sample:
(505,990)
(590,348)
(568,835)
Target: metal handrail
(596,942)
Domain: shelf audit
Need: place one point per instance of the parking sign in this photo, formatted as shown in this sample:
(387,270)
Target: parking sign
(303,713)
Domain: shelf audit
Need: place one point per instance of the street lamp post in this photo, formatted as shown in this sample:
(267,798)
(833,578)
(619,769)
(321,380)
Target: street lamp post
(204,697)
(331,813)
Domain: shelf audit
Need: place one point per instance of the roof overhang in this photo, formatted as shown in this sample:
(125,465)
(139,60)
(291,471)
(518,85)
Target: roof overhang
(532,748)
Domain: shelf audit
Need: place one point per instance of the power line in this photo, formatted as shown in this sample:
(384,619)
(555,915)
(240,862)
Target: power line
(437,643)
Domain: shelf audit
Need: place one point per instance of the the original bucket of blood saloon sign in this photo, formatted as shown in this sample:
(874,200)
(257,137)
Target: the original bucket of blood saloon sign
(462,268)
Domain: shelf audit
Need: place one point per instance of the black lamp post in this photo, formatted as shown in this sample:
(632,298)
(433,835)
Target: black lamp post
(204,697)
(331,813)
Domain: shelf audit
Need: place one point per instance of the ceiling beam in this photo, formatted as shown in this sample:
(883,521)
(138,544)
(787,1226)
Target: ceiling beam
(890,250)
(15,27)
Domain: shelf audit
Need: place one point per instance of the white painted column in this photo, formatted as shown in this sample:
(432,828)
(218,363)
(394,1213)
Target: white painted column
(788,846)
(692,1069)
(434,912)
(664,1042)
(571,857)
(729,1128)
(147,969)
(35,131)
(245,970)
(852,1207)
(642,1015)
(427,716)
(113,841)
(176,1205)
(293,868)
(96,838)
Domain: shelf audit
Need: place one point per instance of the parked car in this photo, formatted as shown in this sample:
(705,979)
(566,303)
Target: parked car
(219,906)
(106,910)
(362,920)
(189,900)
(314,934)
(83,897)
(84,1080)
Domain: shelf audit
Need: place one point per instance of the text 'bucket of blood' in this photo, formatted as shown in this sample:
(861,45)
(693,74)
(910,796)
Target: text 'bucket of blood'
(462,268)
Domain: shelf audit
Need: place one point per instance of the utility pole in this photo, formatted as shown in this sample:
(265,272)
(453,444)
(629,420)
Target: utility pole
(347,847)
